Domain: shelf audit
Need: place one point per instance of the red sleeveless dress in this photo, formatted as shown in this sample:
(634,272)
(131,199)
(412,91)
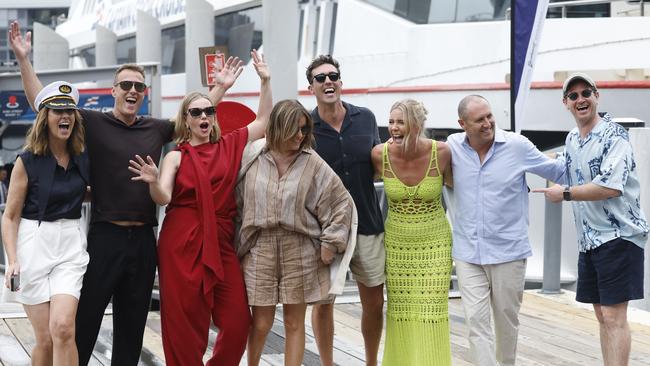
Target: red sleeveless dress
(200,276)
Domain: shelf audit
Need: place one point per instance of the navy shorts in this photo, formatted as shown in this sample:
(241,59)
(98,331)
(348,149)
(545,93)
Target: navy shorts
(611,273)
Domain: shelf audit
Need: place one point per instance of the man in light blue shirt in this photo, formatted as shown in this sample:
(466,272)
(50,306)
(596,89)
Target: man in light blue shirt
(612,229)
(490,226)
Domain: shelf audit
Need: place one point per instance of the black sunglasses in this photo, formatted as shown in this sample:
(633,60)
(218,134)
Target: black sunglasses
(127,85)
(334,76)
(59,112)
(196,112)
(585,94)
(304,130)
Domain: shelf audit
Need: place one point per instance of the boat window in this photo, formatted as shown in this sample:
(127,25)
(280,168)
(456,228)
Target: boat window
(239,31)
(580,11)
(88,54)
(448,11)
(26,17)
(126,50)
(173,50)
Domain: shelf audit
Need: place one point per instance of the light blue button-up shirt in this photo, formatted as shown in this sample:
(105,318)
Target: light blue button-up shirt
(605,157)
(490,222)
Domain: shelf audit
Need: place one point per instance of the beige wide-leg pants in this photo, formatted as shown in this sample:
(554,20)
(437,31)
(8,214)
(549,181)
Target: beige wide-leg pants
(496,287)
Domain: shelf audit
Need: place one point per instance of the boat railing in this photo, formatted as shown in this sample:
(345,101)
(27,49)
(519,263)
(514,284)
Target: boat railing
(565,4)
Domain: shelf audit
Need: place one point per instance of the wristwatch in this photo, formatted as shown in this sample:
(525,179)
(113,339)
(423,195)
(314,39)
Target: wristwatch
(566,195)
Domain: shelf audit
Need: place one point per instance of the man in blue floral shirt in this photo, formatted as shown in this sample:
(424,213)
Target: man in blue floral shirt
(603,186)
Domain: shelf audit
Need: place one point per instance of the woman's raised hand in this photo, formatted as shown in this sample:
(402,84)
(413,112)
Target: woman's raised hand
(146,171)
(229,73)
(260,65)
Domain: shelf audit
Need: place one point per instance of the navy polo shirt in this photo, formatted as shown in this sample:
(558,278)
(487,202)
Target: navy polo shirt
(348,154)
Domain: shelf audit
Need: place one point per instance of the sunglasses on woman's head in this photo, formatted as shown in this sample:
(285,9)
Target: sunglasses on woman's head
(334,76)
(196,112)
(127,85)
(585,94)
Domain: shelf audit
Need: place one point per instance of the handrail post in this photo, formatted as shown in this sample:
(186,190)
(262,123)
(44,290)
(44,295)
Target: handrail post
(642,7)
(552,248)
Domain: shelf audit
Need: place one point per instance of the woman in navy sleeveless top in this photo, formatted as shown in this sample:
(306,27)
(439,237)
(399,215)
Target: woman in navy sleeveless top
(41,231)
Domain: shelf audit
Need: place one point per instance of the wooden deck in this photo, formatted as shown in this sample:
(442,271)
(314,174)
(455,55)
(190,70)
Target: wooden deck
(554,331)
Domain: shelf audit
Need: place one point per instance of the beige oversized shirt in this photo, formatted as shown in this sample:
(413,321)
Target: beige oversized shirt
(308,199)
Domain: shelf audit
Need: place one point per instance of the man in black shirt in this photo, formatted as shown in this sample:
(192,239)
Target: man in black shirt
(121,241)
(345,134)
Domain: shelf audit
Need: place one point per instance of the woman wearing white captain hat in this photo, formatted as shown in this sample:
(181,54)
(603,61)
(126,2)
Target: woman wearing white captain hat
(46,248)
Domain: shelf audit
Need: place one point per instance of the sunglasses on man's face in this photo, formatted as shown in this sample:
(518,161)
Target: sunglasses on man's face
(127,85)
(334,76)
(585,94)
(196,112)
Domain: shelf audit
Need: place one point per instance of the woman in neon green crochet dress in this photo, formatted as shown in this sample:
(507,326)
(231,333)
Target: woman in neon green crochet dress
(418,240)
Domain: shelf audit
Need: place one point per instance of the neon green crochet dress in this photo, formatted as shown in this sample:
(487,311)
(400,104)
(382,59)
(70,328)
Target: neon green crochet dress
(418,269)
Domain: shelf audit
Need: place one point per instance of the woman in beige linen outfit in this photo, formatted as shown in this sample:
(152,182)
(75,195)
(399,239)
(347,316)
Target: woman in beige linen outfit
(296,215)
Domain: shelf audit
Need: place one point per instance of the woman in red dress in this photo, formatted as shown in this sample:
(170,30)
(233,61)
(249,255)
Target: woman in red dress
(200,277)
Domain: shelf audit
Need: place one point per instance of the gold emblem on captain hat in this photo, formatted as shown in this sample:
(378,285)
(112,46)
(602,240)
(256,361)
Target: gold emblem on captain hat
(65,89)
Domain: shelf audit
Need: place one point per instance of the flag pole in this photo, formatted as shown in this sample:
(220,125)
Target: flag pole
(513,91)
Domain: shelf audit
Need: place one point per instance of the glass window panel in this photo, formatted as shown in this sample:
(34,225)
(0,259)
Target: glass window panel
(90,56)
(126,50)
(240,32)
(442,11)
(447,11)
(581,11)
(475,10)
(173,50)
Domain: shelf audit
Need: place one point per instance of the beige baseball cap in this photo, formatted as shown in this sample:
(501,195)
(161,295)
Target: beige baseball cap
(578,76)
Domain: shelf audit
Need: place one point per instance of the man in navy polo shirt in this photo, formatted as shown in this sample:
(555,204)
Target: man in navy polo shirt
(345,134)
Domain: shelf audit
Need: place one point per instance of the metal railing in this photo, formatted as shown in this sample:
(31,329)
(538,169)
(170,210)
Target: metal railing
(564,4)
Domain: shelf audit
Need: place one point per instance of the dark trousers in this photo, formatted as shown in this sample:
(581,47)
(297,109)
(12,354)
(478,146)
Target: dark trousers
(122,266)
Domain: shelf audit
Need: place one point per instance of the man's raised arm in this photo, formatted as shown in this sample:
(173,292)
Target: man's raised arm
(22,48)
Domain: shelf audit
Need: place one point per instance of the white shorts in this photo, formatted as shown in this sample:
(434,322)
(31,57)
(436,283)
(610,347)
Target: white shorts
(52,258)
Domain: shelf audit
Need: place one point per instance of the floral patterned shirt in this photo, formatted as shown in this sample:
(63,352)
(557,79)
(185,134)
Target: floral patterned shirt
(605,157)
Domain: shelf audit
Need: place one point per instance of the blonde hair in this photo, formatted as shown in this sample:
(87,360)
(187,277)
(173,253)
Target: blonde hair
(37,139)
(284,123)
(182,131)
(414,114)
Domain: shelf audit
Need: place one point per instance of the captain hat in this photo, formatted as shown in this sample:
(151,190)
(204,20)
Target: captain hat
(58,95)
(575,77)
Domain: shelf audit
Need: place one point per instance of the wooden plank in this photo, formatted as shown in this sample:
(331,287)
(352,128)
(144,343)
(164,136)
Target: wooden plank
(152,340)
(103,346)
(310,355)
(152,347)
(23,332)
(552,332)
(11,351)
(563,318)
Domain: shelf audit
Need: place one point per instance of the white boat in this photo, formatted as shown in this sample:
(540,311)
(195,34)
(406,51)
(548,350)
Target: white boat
(434,51)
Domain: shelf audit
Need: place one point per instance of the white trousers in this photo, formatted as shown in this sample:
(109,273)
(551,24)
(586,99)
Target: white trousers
(496,287)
